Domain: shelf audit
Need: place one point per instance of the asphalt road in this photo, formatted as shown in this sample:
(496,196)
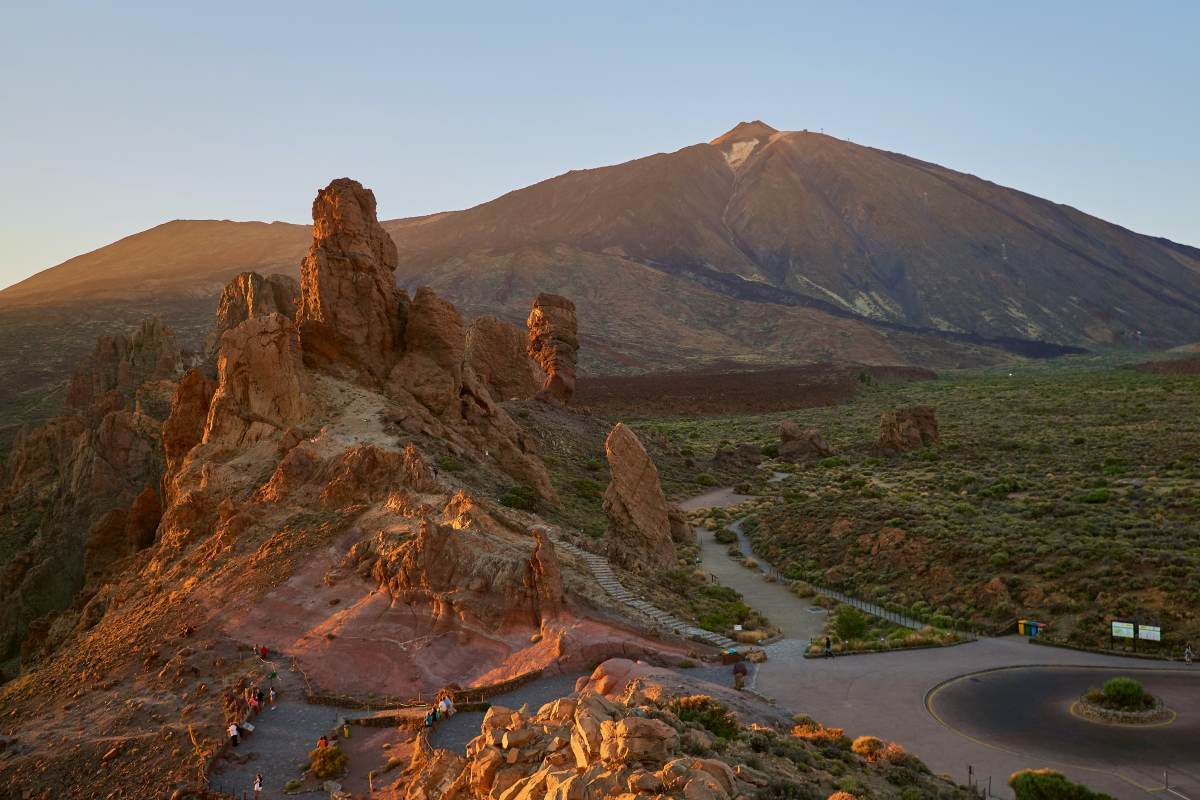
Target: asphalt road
(1026,711)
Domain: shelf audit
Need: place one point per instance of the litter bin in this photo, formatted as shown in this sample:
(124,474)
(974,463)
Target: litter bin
(1034,628)
(1021,627)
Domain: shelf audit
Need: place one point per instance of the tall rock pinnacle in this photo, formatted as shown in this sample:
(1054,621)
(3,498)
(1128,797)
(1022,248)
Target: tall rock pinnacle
(351,314)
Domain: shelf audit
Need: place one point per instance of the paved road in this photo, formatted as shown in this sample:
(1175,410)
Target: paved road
(996,732)
(1028,711)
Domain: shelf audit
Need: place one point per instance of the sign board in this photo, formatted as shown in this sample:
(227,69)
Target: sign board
(1122,630)
(737,627)
(1151,633)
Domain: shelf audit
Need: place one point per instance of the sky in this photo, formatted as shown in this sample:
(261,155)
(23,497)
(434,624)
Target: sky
(114,120)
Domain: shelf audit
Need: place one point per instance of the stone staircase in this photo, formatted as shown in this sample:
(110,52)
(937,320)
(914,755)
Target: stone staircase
(607,579)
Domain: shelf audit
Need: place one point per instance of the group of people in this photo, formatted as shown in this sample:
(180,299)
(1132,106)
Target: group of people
(256,701)
(442,709)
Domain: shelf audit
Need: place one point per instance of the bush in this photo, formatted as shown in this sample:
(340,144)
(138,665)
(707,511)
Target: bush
(712,715)
(850,623)
(1096,496)
(869,748)
(520,497)
(704,479)
(593,464)
(1045,784)
(1125,694)
(327,762)
(770,450)
(587,488)
(810,730)
(724,536)
(448,464)
(1000,559)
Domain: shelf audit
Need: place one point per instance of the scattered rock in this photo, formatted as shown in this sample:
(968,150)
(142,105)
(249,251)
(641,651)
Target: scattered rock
(906,429)
(796,443)
(639,527)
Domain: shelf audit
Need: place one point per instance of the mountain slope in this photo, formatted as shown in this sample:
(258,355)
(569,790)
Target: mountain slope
(849,228)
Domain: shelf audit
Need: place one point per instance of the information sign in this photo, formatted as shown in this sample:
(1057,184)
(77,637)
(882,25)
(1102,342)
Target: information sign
(1122,630)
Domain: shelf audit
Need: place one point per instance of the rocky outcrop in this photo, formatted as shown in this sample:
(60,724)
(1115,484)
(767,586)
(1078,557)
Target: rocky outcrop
(351,315)
(261,383)
(119,365)
(466,577)
(184,427)
(70,486)
(553,342)
(431,368)
(496,351)
(639,526)
(251,295)
(906,429)
(796,443)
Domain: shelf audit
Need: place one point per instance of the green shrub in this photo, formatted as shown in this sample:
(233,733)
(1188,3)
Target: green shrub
(704,479)
(712,715)
(724,536)
(327,762)
(1044,784)
(770,450)
(850,623)
(1000,559)
(832,461)
(593,464)
(1096,496)
(448,464)
(520,497)
(1125,694)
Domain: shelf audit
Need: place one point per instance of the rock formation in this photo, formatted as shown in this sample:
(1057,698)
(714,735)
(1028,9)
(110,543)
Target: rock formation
(261,383)
(431,368)
(184,426)
(496,351)
(119,365)
(72,484)
(796,443)
(351,314)
(906,429)
(467,577)
(639,525)
(553,342)
(251,295)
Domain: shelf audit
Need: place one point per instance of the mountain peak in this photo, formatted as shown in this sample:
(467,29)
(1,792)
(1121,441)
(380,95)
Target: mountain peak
(744,131)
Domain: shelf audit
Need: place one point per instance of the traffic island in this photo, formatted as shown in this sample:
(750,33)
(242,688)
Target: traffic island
(1122,701)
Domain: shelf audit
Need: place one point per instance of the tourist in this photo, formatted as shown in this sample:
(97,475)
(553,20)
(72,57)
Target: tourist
(446,707)
(828,647)
(1188,655)
(258,786)
(233,734)
(323,742)
(739,675)
(271,695)
(431,718)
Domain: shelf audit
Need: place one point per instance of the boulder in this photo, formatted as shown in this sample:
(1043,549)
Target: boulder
(109,378)
(184,426)
(796,443)
(261,383)
(906,429)
(351,315)
(497,352)
(636,739)
(251,295)
(553,343)
(639,526)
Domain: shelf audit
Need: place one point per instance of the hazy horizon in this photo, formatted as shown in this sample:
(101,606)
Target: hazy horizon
(130,119)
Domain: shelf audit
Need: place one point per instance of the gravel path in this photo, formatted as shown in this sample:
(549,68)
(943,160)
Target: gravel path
(282,738)
(454,733)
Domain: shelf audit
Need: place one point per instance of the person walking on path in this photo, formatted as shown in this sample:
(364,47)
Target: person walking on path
(1188,655)
(271,695)
(828,647)
(258,781)
(233,734)
(739,675)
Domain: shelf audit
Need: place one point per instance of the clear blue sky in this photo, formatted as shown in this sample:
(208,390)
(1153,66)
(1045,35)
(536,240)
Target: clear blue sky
(112,121)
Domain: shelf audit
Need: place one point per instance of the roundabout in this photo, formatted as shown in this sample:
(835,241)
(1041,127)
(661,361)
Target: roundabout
(1035,712)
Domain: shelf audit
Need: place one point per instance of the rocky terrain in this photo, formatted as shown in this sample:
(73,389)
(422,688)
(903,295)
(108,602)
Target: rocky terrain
(761,247)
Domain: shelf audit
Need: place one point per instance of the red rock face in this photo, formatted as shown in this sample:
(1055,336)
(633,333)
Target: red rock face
(351,314)
(496,351)
(907,429)
(251,295)
(261,383)
(431,368)
(639,525)
(553,342)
